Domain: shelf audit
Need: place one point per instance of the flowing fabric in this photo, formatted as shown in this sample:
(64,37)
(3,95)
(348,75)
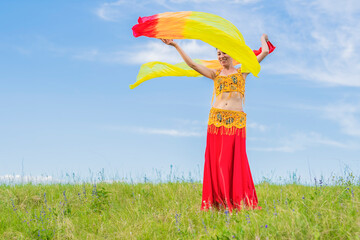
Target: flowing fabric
(157,69)
(227,181)
(210,28)
(227,176)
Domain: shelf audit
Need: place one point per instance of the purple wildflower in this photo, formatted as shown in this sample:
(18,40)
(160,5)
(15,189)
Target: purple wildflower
(13,204)
(204,225)
(227,217)
(65,197)
(177,217)
(247,218)
(94,192)
(84,190)
(45,200)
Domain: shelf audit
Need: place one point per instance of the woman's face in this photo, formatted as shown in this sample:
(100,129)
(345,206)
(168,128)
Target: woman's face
(223,58)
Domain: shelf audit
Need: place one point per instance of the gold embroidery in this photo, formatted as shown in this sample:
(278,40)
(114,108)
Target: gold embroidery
(231,83)
(228,119)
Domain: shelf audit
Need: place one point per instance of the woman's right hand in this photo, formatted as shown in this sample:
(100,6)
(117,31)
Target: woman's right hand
(207,72)
(168,41)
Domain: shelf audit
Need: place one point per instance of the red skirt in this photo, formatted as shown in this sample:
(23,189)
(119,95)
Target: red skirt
(227,182)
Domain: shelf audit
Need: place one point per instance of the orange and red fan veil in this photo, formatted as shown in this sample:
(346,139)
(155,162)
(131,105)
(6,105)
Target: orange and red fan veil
(210,28)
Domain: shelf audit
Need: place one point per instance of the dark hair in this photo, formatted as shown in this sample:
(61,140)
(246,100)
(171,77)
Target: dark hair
(220,50)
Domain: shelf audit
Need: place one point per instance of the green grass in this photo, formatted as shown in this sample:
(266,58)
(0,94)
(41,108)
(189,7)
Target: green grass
(172,211)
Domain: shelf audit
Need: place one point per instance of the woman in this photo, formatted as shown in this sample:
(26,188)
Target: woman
(227,181)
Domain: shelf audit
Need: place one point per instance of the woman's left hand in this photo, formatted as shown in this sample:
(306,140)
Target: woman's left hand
(265,37)
(264,48)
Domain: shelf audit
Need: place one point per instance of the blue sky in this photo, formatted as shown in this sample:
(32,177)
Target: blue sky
(66,105)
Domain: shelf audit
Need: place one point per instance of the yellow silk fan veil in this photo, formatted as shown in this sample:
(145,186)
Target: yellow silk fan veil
(210,28)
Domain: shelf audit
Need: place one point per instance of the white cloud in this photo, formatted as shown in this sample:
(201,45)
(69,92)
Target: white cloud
(257,126)
(274,149)
(190,123)
(158,51)
(194,128)
(346,115)
(157,131)
(318,41)
(103,13)
(96,55)
(22,50)
(301,141)
(39,43)
(26,179)
(168,132)
(114,11)
(214,1)
(153,50)
(246,1)
(89,55)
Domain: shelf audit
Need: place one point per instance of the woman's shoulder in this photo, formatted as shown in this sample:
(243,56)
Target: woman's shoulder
(218,71)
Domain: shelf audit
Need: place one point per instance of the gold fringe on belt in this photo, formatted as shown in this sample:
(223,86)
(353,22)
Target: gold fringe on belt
(226,121)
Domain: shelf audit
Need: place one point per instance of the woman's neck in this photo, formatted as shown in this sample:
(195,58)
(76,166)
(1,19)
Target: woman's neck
(228,69)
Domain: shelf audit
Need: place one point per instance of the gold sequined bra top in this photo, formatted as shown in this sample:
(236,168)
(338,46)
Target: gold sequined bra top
(231,83)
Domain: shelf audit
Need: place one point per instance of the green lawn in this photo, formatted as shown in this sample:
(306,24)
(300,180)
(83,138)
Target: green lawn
(172,211)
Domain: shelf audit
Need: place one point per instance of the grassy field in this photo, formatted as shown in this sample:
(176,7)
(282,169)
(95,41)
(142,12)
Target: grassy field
(172,211)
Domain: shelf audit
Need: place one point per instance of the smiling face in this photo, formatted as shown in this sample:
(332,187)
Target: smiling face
(223,58)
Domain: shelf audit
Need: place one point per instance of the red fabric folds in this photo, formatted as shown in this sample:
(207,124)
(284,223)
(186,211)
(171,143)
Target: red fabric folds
(227,182)
(271,48)
(146,27)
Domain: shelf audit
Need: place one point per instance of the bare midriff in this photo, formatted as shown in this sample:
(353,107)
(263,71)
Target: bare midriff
(229,101)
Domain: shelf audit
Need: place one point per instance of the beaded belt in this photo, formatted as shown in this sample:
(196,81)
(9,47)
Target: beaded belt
(227,118)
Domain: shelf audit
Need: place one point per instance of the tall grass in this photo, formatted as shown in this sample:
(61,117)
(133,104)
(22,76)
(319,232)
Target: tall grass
(171,210)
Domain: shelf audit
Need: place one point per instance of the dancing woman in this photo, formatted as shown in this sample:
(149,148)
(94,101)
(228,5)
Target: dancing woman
(227,182)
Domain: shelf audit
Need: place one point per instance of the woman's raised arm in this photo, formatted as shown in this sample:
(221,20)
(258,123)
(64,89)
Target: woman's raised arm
(264,51)
(207,72)
(264,48)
